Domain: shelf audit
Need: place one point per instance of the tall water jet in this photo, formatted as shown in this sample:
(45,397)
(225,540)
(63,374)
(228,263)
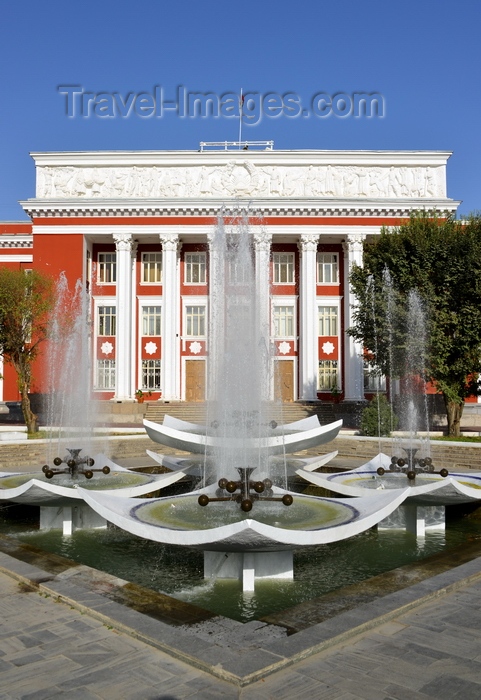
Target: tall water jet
(239,369)
(70,410)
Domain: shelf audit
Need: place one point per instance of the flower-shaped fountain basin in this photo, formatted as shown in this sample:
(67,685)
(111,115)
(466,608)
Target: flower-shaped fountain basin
(425,489)
(224,527)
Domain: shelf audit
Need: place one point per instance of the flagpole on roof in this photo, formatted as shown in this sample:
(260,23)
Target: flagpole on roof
(241,105)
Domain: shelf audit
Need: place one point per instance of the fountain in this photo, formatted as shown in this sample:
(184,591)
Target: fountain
(247,527)
(241,445)
(243,517)
(429,490)
(71,424)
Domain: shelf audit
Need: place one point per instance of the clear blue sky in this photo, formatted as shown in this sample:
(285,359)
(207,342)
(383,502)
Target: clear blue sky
(422,56)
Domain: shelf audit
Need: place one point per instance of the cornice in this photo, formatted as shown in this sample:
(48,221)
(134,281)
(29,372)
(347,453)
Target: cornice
(268,157)
(328,207)
(16,241)
(180,230)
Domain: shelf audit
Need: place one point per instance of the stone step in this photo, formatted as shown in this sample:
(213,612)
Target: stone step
(197,413)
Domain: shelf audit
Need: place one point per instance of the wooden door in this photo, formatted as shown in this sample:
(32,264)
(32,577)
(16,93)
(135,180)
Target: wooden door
(195,380)
(284,380)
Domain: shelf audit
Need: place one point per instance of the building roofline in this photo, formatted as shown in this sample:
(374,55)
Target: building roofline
(267,157)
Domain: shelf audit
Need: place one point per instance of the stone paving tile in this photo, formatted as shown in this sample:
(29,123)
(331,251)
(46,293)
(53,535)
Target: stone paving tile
(78,694)
(452,688)
(396,692)
(467,669)
(289,684)
(363,687)
(44,694)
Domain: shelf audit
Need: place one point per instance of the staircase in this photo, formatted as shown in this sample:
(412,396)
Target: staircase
(282,413)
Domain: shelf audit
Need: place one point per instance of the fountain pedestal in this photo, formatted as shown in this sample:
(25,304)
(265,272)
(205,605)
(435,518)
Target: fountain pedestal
(249,566)
(415,519)
(70,518)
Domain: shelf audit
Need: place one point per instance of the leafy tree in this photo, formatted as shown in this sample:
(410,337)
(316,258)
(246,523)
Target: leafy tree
(25,300)
(441,259)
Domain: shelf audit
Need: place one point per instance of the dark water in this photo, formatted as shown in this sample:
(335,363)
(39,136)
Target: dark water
(178,571)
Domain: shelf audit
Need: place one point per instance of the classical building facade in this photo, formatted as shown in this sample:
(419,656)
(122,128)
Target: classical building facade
(136,227)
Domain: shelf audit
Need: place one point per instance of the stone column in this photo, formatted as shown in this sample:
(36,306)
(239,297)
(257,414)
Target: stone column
(124,246)
(217,275)
(170,317)
(353,349)
(308,354)
(262,245)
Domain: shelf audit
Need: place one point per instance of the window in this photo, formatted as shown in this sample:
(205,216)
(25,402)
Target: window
(284,321)
(237,274)
(195,268)
(195,321)
(152,268)
(151,317)
(105,378)
(151,375)
(107,268)
(327,268)
(374,381)
(328,375)
(88,270)
(106,320)
(328,320)
(283,268)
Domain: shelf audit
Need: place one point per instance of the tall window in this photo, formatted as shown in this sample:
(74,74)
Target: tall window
(195,268)
(284,321)
(151,375)
(151,316)
(237,274)
(107,268)
(328,320)
(152,267)
(328,378)
(283,268)
(195,321)
(88,270)
(327,268)
(106,320)
(105,375)
(374,381)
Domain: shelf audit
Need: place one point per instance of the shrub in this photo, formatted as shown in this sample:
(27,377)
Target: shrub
(378,418)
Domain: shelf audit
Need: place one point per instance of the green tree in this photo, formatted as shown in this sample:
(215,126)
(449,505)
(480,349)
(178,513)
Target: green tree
(441,259)
(25,300)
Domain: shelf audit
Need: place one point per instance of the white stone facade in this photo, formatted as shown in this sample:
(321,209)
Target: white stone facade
(310,212)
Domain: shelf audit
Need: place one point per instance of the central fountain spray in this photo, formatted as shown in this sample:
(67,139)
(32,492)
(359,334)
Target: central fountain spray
(256,540)
(240,365)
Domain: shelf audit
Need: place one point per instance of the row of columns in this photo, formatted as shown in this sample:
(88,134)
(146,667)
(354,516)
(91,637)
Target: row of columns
(126,251)
(126,248)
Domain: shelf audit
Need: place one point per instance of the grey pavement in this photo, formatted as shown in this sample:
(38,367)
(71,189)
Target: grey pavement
(57,640)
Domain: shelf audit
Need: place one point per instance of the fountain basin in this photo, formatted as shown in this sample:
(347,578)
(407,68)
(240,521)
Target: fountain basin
(286,439)
(35,489)
(426,489)
(268,527)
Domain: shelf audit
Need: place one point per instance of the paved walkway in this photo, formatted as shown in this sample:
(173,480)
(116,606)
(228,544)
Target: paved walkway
(419,651)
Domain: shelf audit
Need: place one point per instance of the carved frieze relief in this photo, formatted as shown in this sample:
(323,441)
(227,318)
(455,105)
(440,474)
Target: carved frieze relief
(241,179)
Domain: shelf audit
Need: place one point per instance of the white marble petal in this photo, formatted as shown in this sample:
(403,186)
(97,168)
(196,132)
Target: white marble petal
(164,520)
(277,443)
(36,489)
(426,489)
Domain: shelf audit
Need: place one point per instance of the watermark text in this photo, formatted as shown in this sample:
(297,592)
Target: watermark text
(252,106)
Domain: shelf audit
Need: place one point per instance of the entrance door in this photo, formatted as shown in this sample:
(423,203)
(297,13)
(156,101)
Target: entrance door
(284,380)
(195,380)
